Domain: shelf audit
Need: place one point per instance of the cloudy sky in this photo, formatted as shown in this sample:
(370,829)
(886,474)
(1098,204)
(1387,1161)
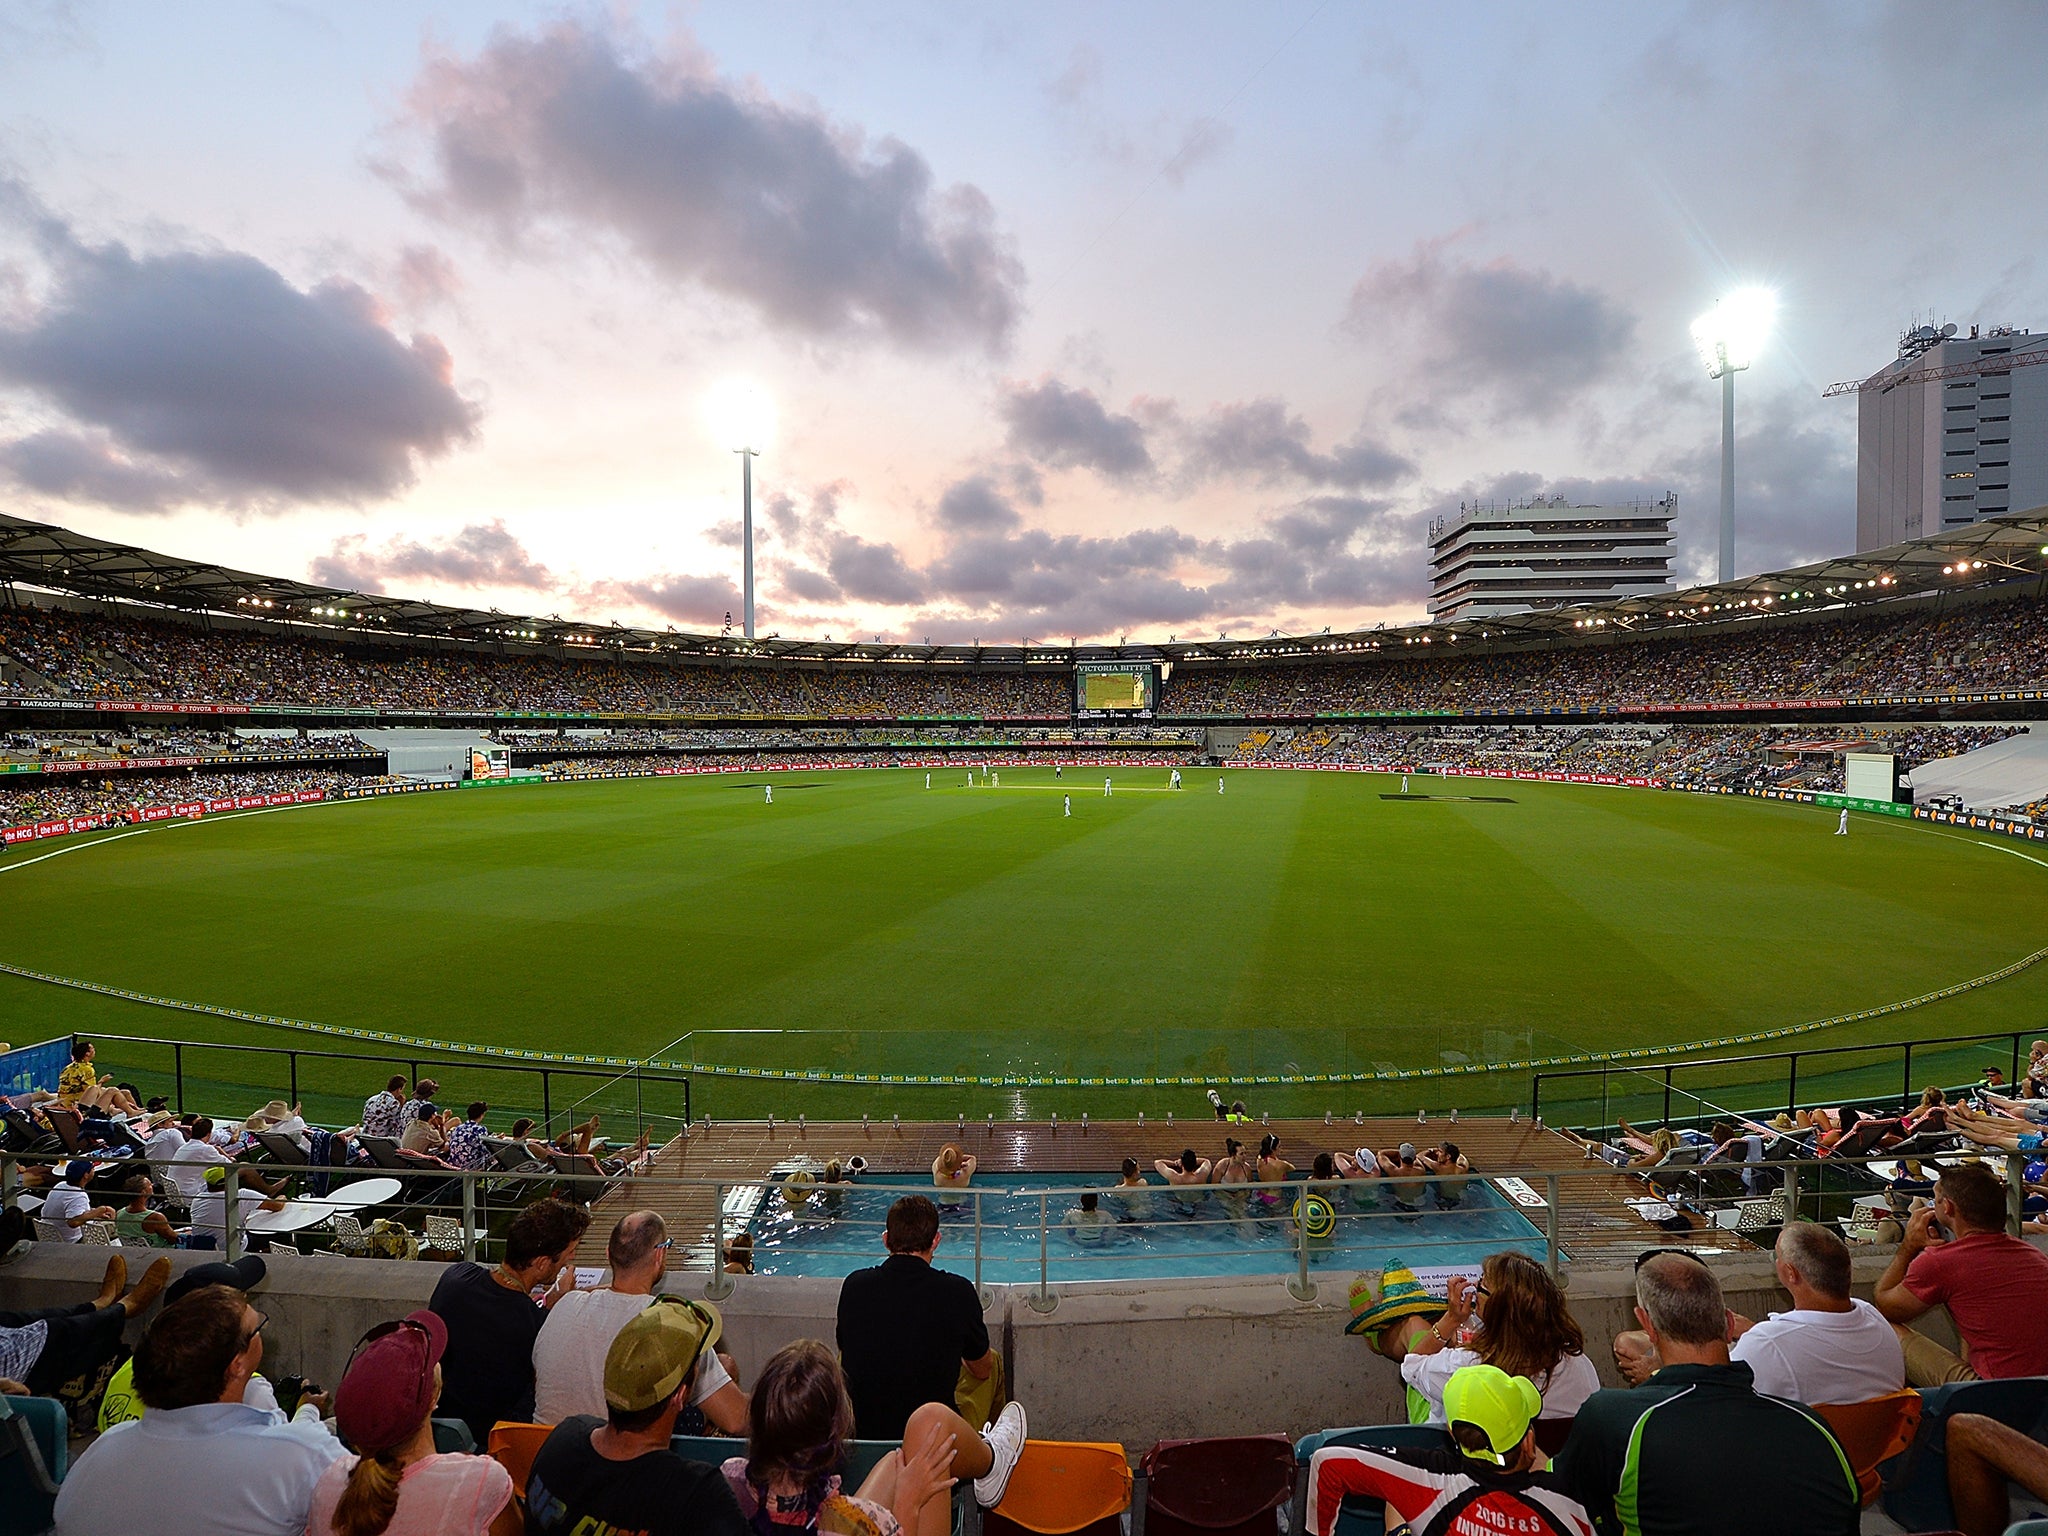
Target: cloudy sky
(1077,320)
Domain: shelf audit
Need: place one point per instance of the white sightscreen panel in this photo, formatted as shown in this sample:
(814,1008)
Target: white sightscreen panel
(1868,775)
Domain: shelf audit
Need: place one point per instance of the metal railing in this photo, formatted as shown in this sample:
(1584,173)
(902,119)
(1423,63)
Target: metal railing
(1738,1198)
(1770,1080)
(545,1089)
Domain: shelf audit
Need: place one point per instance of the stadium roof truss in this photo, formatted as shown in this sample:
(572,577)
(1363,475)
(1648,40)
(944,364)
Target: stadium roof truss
(1984,554)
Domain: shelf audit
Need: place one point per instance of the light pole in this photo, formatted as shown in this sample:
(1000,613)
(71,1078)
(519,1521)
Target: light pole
(1728,336)
(743,418)
(747,536)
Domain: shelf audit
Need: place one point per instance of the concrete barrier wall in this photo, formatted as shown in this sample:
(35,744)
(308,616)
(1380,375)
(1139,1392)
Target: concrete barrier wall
(1129,1362)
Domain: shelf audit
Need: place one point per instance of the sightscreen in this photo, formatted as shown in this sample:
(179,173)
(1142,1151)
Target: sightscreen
(1114,688)
(1870,775)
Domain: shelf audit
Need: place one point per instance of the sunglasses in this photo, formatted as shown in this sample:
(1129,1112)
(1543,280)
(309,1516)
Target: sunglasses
(384,1331)
(704,1316)
(262,1322)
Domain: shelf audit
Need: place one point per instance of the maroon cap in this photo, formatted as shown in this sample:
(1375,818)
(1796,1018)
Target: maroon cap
(389,1389)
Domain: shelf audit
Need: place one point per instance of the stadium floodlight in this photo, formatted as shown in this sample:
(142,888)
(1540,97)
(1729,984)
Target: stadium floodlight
(743,419)
(1728,337)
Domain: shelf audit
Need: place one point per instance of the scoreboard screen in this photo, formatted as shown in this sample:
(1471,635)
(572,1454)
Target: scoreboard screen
(1115,688)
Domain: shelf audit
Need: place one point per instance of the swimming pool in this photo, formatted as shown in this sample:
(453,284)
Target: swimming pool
(1224,1231)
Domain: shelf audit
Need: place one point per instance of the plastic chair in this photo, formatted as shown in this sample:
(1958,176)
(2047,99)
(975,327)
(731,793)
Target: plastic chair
(1872,1432)
(1063,1487)
(1361,1517)
(452,1437)
(1916,1485)
(34,1455)
(513,1447)
(1229,1486)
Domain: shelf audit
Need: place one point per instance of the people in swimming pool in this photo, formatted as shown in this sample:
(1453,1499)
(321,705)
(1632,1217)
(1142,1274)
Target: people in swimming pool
(1132,1199)
(1185,1175)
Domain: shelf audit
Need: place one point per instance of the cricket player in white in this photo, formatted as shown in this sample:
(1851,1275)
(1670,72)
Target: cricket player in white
(1842,826)
(996,779)
(770,788)
(1059,770)
(1066,805)
(927,781)
(1219,786)
(1174,782)
(1105,789)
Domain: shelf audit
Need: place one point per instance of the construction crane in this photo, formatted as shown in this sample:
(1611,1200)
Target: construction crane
(2003,362)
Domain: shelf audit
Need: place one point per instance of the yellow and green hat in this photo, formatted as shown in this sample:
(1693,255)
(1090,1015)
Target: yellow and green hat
(653,1355)
(1500,1406)
(1398,1294)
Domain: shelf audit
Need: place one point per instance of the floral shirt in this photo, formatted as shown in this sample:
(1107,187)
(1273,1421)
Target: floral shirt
(467,1147)
(842,1514)
(381,1114)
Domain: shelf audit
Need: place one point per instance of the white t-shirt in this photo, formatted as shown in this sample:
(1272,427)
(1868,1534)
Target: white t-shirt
(163,1146)
(210,1209)
(568,1356)
(189,1164)
(1566,1385)
(1824,1357)
(61,1204)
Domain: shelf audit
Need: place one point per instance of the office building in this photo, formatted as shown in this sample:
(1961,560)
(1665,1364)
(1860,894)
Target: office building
(1547,553)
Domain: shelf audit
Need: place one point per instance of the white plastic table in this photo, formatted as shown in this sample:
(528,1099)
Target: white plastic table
(296,1216)
(358,1195)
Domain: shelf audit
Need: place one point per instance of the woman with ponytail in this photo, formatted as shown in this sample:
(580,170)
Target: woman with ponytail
(799,1426)
(396,1485)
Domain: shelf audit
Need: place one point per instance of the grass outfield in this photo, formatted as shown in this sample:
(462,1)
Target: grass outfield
(1297,922)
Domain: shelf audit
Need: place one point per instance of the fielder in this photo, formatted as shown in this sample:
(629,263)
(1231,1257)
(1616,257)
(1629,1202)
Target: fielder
(770,788)
(1066,805)
(996,780)
(1105,789)
(927,781)
(1842,826)
(1404,783)
(1219,786)
(1174,782)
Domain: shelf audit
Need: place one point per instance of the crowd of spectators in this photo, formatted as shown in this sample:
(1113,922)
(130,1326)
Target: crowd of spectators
(42,748)
(1805,757)
(1985,647)
(55,798)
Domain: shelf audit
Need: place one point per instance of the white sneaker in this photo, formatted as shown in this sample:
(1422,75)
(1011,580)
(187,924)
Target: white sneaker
(1005,1440)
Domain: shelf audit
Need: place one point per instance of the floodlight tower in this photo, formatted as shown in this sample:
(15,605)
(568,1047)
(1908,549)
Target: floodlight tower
(743,417)
(1728,336)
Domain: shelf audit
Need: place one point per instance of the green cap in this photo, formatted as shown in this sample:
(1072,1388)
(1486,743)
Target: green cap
(1500,1406)
(653,1354)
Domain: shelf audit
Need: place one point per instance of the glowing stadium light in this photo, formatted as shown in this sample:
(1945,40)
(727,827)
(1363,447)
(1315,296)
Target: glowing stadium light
(1728,337)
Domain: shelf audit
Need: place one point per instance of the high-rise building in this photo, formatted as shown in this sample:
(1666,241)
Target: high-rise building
(1950,432)
(1546,553)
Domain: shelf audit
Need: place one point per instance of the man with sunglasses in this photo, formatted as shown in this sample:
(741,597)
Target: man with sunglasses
(569,1354)
(203,1461)
(1645,1460)
(618,1474)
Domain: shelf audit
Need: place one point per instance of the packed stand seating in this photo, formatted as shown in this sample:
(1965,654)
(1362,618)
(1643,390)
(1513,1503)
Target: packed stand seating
(1996,646)
(63,798)
(104,657)
(46,748)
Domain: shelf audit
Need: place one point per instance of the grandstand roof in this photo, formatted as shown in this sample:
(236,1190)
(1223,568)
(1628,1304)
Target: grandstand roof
(42,555)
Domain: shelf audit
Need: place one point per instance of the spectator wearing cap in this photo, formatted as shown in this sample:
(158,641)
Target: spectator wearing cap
(202,1461)
(619,1473)
(43,1348)
(1994,1285)
(493,1317)
(1404,1176)
(569,1353)
(1647,1460)
(397,1485)
(1493,1481)
(1830,1348)
(69,1206)
(210,1207)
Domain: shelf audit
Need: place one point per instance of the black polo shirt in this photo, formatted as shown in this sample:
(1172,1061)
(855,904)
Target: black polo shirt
(1698,1451)
(905,1327)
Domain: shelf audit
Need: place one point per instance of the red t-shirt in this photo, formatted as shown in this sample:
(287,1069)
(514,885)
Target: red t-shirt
(1995,1288)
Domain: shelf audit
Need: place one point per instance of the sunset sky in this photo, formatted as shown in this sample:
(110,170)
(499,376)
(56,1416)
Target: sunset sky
(1078,320)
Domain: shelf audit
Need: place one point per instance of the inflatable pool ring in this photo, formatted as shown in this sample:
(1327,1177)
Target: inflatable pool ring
(1316,1216)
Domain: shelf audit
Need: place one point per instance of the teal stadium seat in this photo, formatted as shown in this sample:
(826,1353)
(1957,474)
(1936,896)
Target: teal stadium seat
(1360,1517)
(34,1456)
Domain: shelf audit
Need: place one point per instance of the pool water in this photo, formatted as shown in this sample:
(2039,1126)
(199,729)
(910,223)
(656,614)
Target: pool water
(1225,1231)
